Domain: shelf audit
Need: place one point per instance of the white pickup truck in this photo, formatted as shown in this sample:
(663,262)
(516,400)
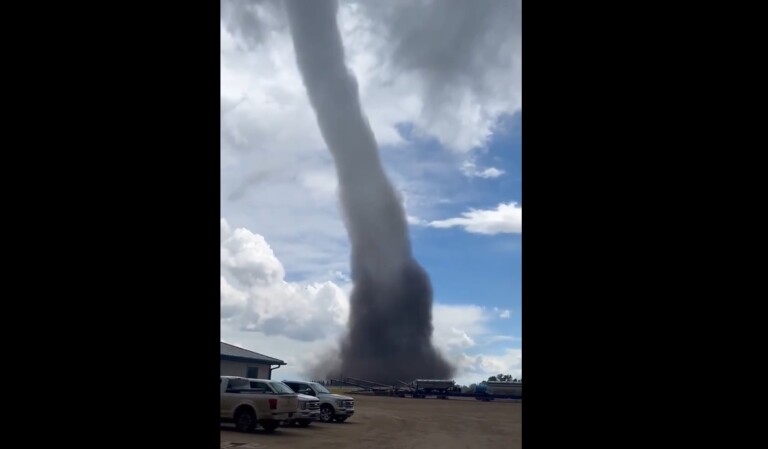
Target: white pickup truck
(332,406)
(252,402)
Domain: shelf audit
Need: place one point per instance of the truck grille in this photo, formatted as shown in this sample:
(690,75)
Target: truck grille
(349,404)
(315,405)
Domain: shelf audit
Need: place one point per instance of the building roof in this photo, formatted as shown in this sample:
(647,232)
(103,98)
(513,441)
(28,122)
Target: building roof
(230,352)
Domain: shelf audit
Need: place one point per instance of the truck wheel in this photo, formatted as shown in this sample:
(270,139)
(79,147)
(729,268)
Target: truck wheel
(341,418)
(326,413)
(245,420)
(270,426)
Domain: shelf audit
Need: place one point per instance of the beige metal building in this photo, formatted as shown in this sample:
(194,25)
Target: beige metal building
(237,361)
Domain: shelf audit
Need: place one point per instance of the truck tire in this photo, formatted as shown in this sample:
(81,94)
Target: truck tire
(245,420)
(270,426)
(326,413)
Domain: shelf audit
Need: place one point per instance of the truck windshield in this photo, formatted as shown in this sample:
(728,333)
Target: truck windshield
(319,388)
(281,388)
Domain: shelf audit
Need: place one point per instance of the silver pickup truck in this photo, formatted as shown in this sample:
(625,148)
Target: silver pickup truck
(333,407)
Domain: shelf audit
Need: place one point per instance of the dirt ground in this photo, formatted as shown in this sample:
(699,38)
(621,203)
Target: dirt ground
(402,423)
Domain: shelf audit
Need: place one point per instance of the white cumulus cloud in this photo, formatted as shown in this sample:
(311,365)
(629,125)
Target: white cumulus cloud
(470,170)
(479,367)
(256,297)
(505,218)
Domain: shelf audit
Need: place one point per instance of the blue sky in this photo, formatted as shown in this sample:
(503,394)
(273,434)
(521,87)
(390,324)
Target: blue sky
(448,124)
(479,269)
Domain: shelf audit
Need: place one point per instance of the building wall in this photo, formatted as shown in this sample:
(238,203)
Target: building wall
(230,368)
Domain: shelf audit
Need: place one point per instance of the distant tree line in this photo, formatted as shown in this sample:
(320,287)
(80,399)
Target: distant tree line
(497,378)
(503,378)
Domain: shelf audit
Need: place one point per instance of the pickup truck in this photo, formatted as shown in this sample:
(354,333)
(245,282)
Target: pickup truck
(252,402)
(309,410)
(332,406)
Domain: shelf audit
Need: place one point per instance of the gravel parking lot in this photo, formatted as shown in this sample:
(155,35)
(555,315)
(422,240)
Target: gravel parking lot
(385,422)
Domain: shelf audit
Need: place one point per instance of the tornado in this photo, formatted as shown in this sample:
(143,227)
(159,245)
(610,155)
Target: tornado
(389,332)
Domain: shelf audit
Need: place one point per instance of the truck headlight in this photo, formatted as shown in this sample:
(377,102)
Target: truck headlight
(303,405)
(339,403)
